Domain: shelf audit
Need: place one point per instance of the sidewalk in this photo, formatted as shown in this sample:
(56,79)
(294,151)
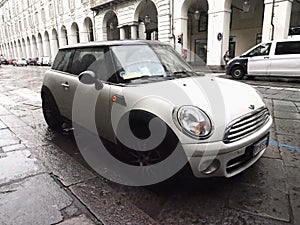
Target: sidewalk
(28,194)
(41,184)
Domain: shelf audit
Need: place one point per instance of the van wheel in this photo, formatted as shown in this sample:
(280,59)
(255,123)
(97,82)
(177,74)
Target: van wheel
(238,72)
(51,112)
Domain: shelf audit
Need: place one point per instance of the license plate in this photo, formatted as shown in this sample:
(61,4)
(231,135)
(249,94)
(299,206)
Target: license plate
(259,146)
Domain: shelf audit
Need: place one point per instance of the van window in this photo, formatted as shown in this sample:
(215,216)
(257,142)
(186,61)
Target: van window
(263,49)
(287,47)
(62,60)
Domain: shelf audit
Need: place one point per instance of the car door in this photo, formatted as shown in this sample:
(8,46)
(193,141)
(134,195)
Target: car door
(258,60)
(92,100)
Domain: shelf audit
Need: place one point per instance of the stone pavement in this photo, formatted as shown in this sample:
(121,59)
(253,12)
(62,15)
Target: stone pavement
(53,191)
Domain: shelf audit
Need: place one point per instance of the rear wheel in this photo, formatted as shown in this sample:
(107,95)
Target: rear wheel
(238,72)
(51,112)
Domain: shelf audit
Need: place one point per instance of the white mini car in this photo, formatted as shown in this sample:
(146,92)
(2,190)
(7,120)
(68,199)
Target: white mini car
(145,98)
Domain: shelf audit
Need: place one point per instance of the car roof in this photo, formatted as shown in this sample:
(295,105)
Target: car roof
(112,43)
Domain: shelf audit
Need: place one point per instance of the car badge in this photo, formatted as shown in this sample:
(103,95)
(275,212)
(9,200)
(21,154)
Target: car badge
(252,107)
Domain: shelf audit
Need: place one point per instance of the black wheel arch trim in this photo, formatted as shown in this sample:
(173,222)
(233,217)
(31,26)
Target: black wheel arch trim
(242,62)
(46,90)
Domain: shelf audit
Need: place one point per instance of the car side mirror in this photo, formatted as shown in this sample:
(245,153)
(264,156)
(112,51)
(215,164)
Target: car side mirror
(89,77)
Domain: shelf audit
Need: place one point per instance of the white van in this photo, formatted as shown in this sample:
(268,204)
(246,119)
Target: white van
(274,58)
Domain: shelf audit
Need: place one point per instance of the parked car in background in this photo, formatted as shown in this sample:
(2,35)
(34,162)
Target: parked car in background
(4,61)
(274,58)
(32,61)
(44,61)
(20,62)
(12,61)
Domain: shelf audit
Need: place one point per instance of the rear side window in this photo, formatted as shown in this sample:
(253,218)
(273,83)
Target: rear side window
(288,47)
(62,60)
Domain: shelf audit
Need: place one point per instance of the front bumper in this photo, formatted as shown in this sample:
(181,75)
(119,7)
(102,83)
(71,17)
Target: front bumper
(230,159)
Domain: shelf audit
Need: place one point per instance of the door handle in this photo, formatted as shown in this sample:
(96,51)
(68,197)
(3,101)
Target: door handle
(266,57)
(65,85)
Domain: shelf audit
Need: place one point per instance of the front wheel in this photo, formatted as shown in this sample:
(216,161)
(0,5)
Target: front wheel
(238,72)
(51,112)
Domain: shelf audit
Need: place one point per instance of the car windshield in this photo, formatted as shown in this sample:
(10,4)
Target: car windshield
(149,61)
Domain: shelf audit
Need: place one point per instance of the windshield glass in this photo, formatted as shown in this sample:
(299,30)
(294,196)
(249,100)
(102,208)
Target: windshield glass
(140,61)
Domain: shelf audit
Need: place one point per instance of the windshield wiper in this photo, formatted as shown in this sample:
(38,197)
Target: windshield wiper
(148,77)
(186,73)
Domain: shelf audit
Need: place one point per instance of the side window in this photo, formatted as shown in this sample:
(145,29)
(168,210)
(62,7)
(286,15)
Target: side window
(289,47)
(263,49)
(96,59)
(87,59)
(62,60)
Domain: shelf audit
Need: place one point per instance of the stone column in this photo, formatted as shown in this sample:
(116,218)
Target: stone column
(133,32)
(84,37)
(24,52)
(54,47)
(40,49)
(180,27)
(122,33)
(28,50)
(72,39)
(218,36)
(46,47)
(281,19)
(142,30)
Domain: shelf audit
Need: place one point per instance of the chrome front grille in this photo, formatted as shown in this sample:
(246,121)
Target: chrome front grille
(246,125)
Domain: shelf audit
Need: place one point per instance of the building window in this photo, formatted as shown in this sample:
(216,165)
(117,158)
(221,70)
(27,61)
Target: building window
(20,26)
(43,15)
(72,4)
(36,17)
(51,14)
(25,22)
(60,7)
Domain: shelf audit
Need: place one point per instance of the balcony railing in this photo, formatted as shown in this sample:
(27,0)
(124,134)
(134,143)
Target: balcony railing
(101,4)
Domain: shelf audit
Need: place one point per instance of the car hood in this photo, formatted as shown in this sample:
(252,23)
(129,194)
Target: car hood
(221,99)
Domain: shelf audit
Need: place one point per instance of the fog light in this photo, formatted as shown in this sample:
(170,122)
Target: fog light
(209,167)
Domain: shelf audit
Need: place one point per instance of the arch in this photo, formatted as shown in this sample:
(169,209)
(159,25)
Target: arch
(28,48)
(23,48)
(40,45)
(244,25)
(54,43)
(46,44)
(294,28)
(88,33)
(74,34)
(191,23)
(63,39)
(146,16)
(34,47)
(110,26)
(19,49)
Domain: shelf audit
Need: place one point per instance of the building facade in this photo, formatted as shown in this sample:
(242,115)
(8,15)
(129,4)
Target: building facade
(206,28)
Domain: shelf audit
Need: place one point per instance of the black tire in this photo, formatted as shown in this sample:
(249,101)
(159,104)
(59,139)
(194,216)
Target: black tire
(139,124)
(51,112)
(237,72)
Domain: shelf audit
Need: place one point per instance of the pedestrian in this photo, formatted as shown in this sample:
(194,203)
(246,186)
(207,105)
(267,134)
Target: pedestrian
(227,57)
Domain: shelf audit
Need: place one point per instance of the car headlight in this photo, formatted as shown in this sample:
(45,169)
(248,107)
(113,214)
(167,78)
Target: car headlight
(193,122)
